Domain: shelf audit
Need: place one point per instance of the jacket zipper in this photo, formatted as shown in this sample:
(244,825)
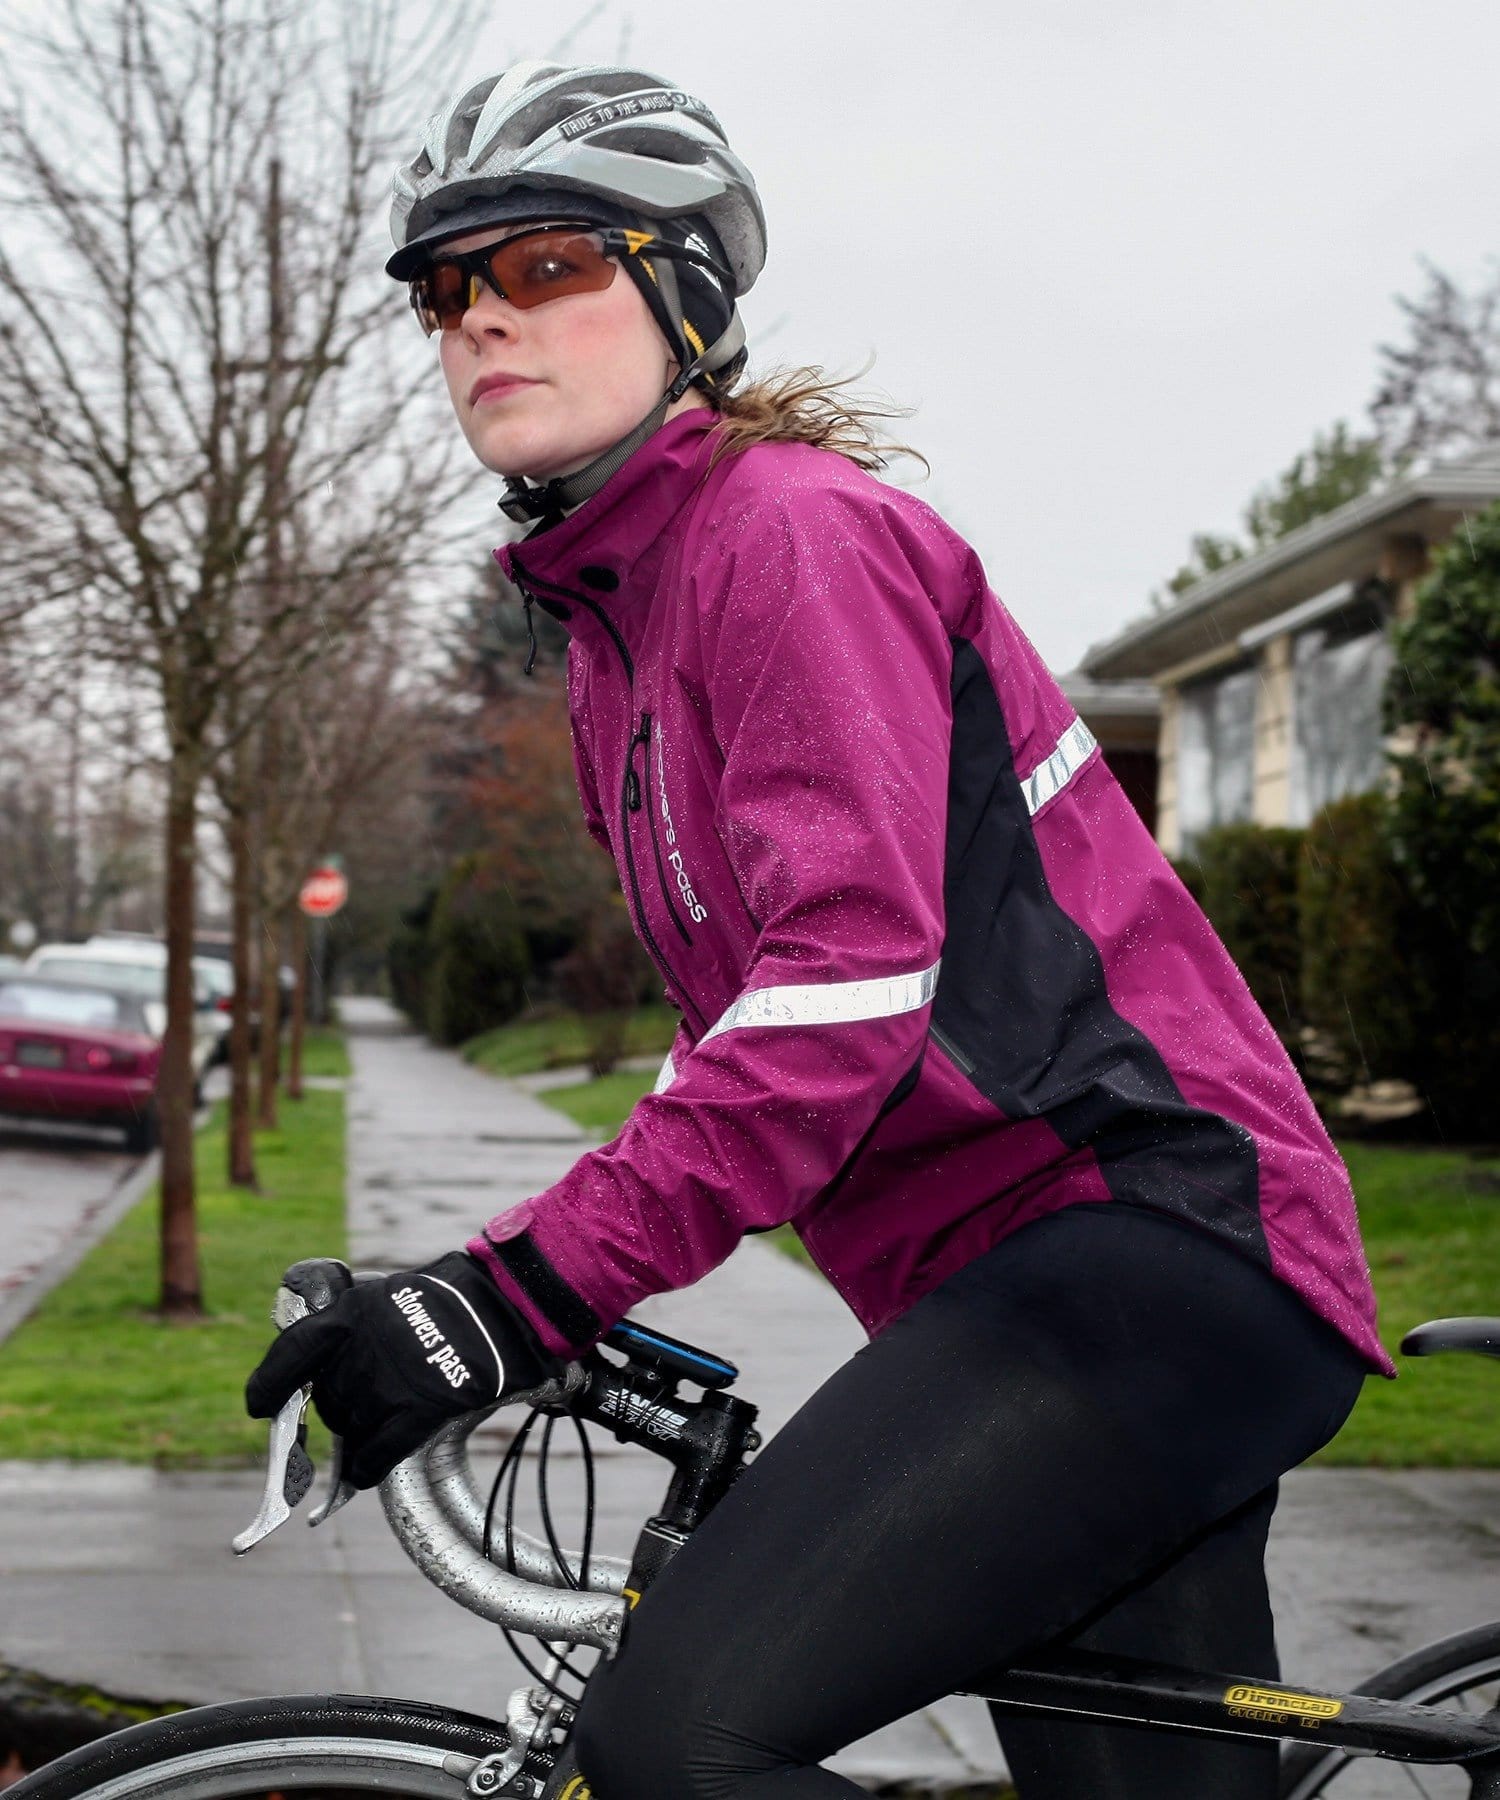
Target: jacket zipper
(631,797)
(643,738)
(526,581)
(630,801)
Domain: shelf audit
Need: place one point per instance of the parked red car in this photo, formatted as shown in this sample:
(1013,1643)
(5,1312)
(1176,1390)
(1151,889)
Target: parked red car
(79,1055)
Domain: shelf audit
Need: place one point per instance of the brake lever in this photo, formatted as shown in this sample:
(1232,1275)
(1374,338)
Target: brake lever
(307,1287)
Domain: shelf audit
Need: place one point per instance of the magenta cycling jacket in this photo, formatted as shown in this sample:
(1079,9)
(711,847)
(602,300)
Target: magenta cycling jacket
(936,978)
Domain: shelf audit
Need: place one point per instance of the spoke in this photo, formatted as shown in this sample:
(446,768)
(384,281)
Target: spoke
(1421,1786)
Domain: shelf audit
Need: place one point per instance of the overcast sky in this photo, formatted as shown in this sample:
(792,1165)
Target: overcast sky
(1124,259)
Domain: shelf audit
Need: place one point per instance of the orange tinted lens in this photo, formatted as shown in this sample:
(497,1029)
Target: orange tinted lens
(549,265)
(448,291)
(440,297)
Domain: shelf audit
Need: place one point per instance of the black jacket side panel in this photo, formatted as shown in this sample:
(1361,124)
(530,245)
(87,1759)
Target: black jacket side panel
(1022,1000)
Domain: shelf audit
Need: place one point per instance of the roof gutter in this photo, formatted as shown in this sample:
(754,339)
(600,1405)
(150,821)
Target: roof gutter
(1476,482)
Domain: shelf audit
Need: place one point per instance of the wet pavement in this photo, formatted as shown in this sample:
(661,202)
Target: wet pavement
(60,1191)
(122,1577)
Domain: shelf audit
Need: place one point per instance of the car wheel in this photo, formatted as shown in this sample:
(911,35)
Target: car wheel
(143,1132)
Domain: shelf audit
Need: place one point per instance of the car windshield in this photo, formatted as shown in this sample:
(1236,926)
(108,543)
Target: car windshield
(147,980)
(213,976)
(56,1004)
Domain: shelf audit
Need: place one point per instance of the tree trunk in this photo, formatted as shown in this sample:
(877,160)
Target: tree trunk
(270,1021)
(242,878)
(181,1282)
(297,953)
(270,773)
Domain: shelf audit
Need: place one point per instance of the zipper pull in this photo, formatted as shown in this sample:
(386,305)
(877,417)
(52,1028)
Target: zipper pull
(632,780)
(528,600)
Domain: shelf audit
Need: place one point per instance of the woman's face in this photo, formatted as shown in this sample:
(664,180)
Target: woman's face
(543,391)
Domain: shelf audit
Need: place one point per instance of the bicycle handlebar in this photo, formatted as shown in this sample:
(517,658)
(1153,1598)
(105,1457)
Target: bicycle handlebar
(433,1502)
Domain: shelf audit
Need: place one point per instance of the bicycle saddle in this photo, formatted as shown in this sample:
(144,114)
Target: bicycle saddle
(1482,1335)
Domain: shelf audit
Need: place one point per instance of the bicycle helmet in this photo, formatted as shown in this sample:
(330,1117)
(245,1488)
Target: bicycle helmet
(608,146)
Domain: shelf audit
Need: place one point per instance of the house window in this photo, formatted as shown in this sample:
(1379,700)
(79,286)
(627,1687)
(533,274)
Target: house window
(1215,753)
(1339,668)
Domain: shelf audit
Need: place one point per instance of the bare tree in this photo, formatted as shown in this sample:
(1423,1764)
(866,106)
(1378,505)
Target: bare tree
(357,734)
(138,444)
(1439,392)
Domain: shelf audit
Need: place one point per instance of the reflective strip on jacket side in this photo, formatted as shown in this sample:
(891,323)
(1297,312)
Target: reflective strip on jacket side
(1048,779)
(829,1003)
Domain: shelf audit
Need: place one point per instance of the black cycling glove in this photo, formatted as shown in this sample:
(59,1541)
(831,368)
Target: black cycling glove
(392,1360)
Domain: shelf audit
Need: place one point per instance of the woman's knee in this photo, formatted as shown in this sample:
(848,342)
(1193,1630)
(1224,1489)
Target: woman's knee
(628,1741)
(640,1739)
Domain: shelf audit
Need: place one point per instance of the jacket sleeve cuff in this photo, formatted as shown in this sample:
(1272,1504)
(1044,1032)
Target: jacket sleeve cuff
(563,1321)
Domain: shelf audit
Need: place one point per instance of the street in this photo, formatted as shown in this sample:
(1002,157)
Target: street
(57,1191)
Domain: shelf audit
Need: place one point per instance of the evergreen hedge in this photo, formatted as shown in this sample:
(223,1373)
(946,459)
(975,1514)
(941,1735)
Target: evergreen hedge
(1444,700)
(1245,879)
(1356,982)
(409,957)
(476,978)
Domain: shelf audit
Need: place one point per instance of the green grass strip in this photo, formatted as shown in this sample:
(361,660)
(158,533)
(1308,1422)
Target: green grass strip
(1431,1223)
(558,1040)
(602,1106)
(93,1373)
(323,1052)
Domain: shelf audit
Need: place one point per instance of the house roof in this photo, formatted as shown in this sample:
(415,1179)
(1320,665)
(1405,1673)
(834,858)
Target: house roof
(1123,715)
(1341,546)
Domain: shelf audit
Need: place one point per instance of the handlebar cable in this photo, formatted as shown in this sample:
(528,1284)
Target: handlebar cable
(559,1556)
(510,1464)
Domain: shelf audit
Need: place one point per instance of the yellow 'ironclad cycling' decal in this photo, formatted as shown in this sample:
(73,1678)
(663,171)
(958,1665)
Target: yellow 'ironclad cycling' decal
(1277,1706)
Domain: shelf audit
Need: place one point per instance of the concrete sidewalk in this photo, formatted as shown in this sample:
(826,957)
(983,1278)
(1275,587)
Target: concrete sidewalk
(122,1578)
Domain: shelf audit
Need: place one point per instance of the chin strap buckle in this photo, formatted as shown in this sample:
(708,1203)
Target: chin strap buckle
(522,502)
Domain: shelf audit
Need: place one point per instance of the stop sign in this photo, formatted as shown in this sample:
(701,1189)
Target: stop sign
(324,892)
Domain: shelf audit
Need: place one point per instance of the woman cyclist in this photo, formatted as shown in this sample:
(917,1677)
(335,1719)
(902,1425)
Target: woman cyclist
(944,1007)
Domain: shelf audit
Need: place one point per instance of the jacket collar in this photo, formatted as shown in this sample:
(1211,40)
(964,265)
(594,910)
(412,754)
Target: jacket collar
(596,549)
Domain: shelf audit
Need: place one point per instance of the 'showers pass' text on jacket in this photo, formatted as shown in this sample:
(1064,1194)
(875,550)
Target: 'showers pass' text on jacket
(936,979)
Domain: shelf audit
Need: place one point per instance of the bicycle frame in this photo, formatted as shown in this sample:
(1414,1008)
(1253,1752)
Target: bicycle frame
(435,1510)
(1124,1692)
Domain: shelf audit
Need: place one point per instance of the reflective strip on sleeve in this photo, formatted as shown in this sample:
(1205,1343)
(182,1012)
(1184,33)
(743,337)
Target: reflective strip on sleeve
(1045,782)
(665,1075)
(829,1003)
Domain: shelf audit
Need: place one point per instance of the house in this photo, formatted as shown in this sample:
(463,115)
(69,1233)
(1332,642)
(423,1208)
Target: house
(1270,671)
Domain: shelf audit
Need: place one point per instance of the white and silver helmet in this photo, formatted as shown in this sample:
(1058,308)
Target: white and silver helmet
(605,146)
(619,136)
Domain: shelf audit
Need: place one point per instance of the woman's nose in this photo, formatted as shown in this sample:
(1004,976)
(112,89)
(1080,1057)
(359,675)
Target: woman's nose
(487,315)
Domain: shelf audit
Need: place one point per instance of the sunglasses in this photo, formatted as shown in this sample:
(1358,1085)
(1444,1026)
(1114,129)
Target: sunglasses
(534,267)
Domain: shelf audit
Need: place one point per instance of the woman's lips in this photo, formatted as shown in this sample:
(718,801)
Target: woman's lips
(496,387)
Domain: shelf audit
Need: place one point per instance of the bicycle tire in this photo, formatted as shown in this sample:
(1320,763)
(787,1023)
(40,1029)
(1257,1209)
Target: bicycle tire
(1452,1669)
(309,1744)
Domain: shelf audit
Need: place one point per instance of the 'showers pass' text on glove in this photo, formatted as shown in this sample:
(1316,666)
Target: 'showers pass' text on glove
(392,1360)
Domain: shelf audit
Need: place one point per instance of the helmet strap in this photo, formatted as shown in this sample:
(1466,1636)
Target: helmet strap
(546,502)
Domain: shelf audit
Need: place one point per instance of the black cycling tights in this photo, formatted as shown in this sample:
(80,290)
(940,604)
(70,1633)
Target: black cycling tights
(1077,1437)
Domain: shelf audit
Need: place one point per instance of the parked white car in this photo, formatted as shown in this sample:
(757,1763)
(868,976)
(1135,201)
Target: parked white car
(139,967)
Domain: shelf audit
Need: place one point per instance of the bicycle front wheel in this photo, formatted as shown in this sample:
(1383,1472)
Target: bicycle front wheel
(314,1745)
(1462,1672)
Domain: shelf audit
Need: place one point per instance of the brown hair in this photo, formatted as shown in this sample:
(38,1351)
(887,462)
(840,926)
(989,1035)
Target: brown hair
(806,406)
